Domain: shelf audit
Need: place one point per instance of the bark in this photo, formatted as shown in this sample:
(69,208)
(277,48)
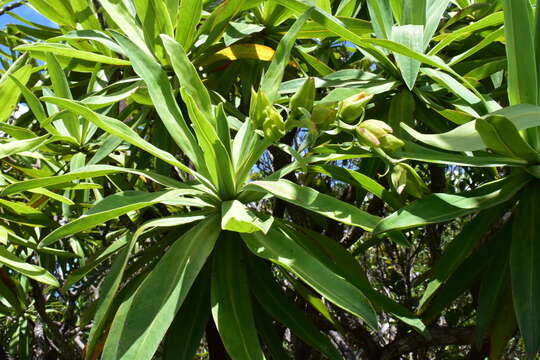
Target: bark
(439,336)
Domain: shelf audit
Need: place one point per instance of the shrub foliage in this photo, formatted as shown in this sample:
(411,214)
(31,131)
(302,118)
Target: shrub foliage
(270,179)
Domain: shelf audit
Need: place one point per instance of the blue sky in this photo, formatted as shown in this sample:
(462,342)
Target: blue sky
(27,13)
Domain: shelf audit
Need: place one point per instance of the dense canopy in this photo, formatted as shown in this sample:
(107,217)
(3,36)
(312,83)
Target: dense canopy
(270,179)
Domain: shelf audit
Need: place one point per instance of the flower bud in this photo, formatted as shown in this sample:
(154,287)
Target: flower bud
(398,178)
(391,143)
(382,132)
(405,178)
(367,138)
(273,125)
(353,107)
(323,115)
(304,97)
(257,107)
(377,127)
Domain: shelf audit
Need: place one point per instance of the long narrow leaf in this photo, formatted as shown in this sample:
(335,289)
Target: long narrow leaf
(279,247)
(443,207)
(312,200)
(231,301)
(144,317)
(525,268)
(112,207)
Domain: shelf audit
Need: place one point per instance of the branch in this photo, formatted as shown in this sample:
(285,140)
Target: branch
(12,6)
(439,336)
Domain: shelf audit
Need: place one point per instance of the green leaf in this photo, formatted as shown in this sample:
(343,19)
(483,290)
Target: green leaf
(414,12)
(522,76)
(218,160)
(435,11)
(466,138)
(237,217)
(223,130)
(119,12)
(105,98)
(61,88)
(91,264)
(217,22)
(120,129)
(504,328)
(236,31)
(85,14)
(381,17)
(25,214)
(459,249)
(410,36)
(18,146)
(35,105)
(414,151)
(188,76)
(501,135)
(492,37)
(161,92)
(314,300)
(57,10)
(312,200)
(91,35)
(312,29)
(369,44)
(231,301)
(494,290)
(402,109)
(113,279)
(9,91)
(283,309)
(341,261)
(452,85)
(348,8)
(112,207)
(270,335)
(189,16)
(32,271)
(443,207)
(87,172)
(154,19)
(358,179)
(320,67)
(71,52)
(488,21)
(274,74)
(465,275)
(184,335)
(280,247)
(525,267)
(144,317)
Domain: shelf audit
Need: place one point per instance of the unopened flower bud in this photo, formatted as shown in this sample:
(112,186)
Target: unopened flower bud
(377,127)
(304,97)
(367,138)
(258,105)
(382,132)
(323,115)
(398,178)
(405,178)
(391,143)
(353,107)
(273,125)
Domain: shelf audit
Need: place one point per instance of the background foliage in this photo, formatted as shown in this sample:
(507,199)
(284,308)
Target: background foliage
(249,179)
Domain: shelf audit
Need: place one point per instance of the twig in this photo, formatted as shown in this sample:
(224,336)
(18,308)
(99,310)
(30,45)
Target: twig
(12,6)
